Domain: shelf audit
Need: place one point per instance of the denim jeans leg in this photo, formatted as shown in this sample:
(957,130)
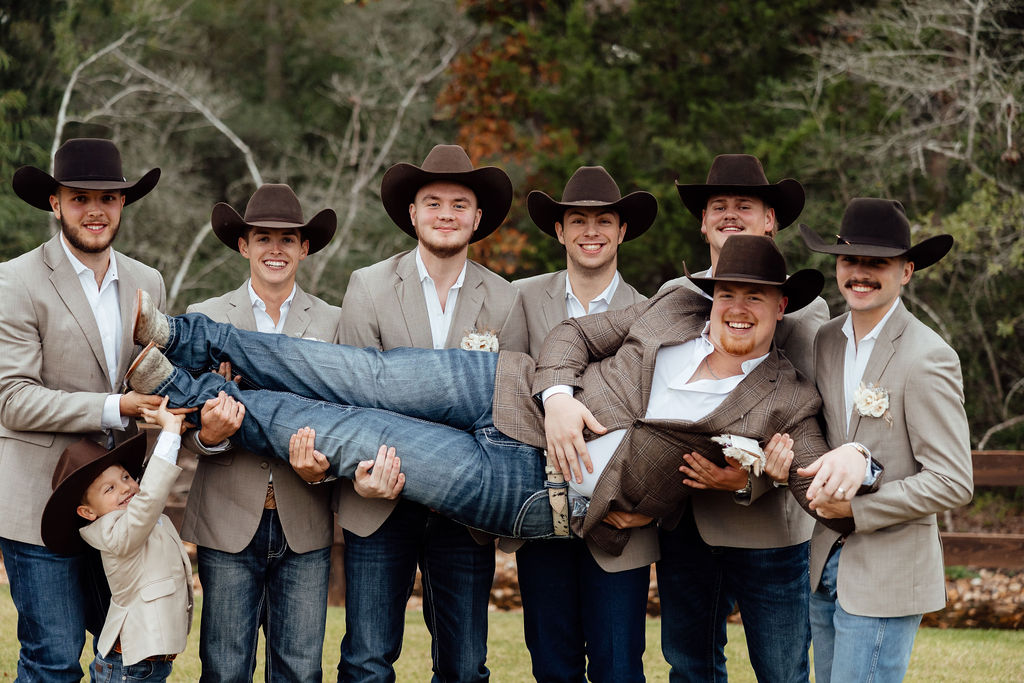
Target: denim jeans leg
(379,574)
(694,604)
(822,615)
(111,669)
(552,611)
(457,573)
(51,631)
(296,608)
(774,608)
(614,619)
(233,610)
(864,648)
(451,386)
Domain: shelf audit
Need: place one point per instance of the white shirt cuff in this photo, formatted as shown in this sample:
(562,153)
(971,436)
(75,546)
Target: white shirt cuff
(112,418)
(167,446)
(557,389)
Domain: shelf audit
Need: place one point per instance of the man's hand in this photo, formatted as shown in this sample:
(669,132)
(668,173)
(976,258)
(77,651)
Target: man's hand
(831,508)
(132,403)
(221,417)
(564,419)
(308,463)
(224,370)
(627,520)
(380,478)
(778,456)
(837,474)
(701,473)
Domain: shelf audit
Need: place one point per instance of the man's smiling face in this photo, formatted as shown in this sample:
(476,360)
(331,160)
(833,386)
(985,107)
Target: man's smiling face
(728,215)
(743,318)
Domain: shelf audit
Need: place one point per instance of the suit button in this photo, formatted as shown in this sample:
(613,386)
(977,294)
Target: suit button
(264,465)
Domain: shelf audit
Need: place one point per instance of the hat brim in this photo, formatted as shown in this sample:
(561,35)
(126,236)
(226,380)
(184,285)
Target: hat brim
(490,184)
(800,288)
(228,226)
(637,210)
(923,254)
(35,186)
(60,521)
(785,196)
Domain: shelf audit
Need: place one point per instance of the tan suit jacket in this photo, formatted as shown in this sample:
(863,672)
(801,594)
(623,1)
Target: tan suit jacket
(544,302)
(148,569)
(53,376)
(384,308)
(609,360)
(225,503)
(892,564)
(770,517)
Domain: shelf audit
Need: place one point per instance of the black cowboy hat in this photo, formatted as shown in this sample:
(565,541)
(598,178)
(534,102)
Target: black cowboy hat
(79,465)
(742,174)
(755,259)
(81,164)
(878,227)
(450,163)
(592,187)
(273,206)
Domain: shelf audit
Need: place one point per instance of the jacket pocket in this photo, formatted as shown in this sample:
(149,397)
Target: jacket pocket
(158,589)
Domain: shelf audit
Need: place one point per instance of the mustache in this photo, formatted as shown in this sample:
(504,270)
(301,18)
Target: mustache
(863,283)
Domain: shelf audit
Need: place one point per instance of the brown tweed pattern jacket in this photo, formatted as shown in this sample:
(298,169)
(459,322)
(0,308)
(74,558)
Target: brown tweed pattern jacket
(609,360)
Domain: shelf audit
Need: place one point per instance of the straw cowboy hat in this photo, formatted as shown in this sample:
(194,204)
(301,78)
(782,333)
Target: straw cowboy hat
(449,163)
(756,259)
(742,174)
(878,227)
(273,206)
(592,187)
(79,465)
(81,164)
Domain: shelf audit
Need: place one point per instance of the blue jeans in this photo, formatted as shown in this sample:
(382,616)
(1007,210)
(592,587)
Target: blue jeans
(433,406)
(851,648)
(111,669)
(379,572)
(575,612)
(700,584)
(51,631)
(265,585)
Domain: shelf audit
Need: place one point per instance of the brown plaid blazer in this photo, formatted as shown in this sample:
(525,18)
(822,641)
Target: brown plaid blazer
(609,360)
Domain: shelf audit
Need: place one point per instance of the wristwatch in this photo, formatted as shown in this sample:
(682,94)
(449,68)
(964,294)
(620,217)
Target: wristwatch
(745,491)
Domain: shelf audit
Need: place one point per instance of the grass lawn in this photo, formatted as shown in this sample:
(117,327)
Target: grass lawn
(954,655)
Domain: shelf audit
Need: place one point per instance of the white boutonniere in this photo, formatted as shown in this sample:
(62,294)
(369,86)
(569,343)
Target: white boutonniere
(479,341)
(746,451)
(872,401)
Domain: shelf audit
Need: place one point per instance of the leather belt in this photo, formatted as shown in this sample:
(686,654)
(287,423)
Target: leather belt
(557,496)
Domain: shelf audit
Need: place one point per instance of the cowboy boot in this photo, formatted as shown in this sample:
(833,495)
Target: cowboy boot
(150,325)
(148,371)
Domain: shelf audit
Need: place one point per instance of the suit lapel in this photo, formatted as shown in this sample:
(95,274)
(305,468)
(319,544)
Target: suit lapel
(554,308)
(467,307)
(127,284)
(297,322)
(745,397)
(68,287)
(240,313)
(885,348)
(409,292)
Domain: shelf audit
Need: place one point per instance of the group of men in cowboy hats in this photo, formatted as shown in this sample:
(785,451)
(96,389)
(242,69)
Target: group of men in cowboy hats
(892,408)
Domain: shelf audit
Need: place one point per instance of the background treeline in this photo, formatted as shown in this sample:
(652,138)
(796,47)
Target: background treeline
(919,100)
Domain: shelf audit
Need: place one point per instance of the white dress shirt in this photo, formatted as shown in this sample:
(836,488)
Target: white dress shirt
(440,319)
(600,303)
(264,323)
(857,355)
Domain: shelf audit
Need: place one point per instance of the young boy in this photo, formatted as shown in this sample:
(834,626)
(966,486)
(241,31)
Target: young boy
(149,572)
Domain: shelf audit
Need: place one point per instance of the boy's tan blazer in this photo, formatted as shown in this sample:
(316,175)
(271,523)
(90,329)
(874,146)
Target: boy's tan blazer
(148,569)
(53,376)
(384,308)
(237,479)
(544,303)
(892,565)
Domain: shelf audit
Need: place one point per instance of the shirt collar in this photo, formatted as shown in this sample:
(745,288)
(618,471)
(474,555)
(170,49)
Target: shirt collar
(257,302)
(876,330)
(80,267)
(421,271)
(605,296)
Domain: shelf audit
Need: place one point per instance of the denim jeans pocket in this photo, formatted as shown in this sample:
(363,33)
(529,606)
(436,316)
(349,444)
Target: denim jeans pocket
(534,518)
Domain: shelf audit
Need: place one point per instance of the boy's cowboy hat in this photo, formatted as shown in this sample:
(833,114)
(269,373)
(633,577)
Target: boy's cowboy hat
(742,174)
(449,163)
(273,206)
(756,259)
(79,465)
(81,164)
(592,187)
(878,227)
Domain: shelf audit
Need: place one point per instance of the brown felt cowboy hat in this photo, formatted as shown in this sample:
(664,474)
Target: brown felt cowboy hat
(273,206)
(878,227)
(592,187)
(755,259)
(78,466)
(81,164)
(742,174)
(449,163)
